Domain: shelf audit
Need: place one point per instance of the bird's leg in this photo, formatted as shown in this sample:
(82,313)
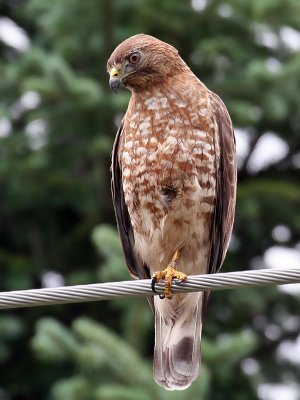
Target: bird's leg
(168,275)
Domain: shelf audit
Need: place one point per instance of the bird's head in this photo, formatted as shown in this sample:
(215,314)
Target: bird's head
(141,61)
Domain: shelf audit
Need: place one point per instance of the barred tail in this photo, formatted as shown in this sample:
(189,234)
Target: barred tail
(178,342)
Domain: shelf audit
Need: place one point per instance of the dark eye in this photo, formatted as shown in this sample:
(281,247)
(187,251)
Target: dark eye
(134,58)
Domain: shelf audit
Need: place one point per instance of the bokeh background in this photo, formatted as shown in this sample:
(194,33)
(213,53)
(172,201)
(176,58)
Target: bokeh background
(58,119)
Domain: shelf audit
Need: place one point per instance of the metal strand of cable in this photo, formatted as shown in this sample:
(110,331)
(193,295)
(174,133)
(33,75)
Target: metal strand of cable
(111,290)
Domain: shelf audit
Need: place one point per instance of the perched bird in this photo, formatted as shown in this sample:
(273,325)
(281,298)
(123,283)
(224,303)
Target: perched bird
(174,189)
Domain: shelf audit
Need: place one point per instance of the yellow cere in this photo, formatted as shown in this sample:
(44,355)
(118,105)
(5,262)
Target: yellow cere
(114,73)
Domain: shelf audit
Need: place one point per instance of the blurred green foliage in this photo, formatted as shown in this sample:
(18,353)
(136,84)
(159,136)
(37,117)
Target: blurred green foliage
(57,125)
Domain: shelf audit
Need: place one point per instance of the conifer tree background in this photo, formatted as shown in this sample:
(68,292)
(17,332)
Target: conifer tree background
(58,119)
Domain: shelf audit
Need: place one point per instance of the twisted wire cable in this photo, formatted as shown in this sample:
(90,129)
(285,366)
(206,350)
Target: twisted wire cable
(106,291)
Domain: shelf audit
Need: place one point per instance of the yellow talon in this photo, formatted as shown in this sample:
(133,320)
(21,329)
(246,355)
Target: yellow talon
(168,275)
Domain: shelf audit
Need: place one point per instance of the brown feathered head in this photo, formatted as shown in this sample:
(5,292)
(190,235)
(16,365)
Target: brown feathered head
(142,60)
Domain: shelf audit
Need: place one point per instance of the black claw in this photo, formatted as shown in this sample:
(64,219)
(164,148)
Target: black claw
(153,283)
(161,296)
(178,281)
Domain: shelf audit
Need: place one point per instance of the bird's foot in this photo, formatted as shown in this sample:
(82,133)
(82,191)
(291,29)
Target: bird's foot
(168,274)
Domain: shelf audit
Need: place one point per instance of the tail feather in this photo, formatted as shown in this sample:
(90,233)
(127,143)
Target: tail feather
(177,341)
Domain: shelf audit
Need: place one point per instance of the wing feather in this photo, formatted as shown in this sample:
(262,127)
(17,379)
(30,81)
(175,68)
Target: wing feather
(226,187)
(223,218)
(136,268)
(121,211)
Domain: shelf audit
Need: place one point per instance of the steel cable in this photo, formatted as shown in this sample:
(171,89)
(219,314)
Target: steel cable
(111,290)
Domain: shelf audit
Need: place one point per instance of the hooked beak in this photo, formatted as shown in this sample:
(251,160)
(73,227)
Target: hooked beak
(115,80)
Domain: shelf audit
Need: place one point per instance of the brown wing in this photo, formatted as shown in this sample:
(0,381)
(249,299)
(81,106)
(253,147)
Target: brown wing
(136,268)
(225,191)
(226,188)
